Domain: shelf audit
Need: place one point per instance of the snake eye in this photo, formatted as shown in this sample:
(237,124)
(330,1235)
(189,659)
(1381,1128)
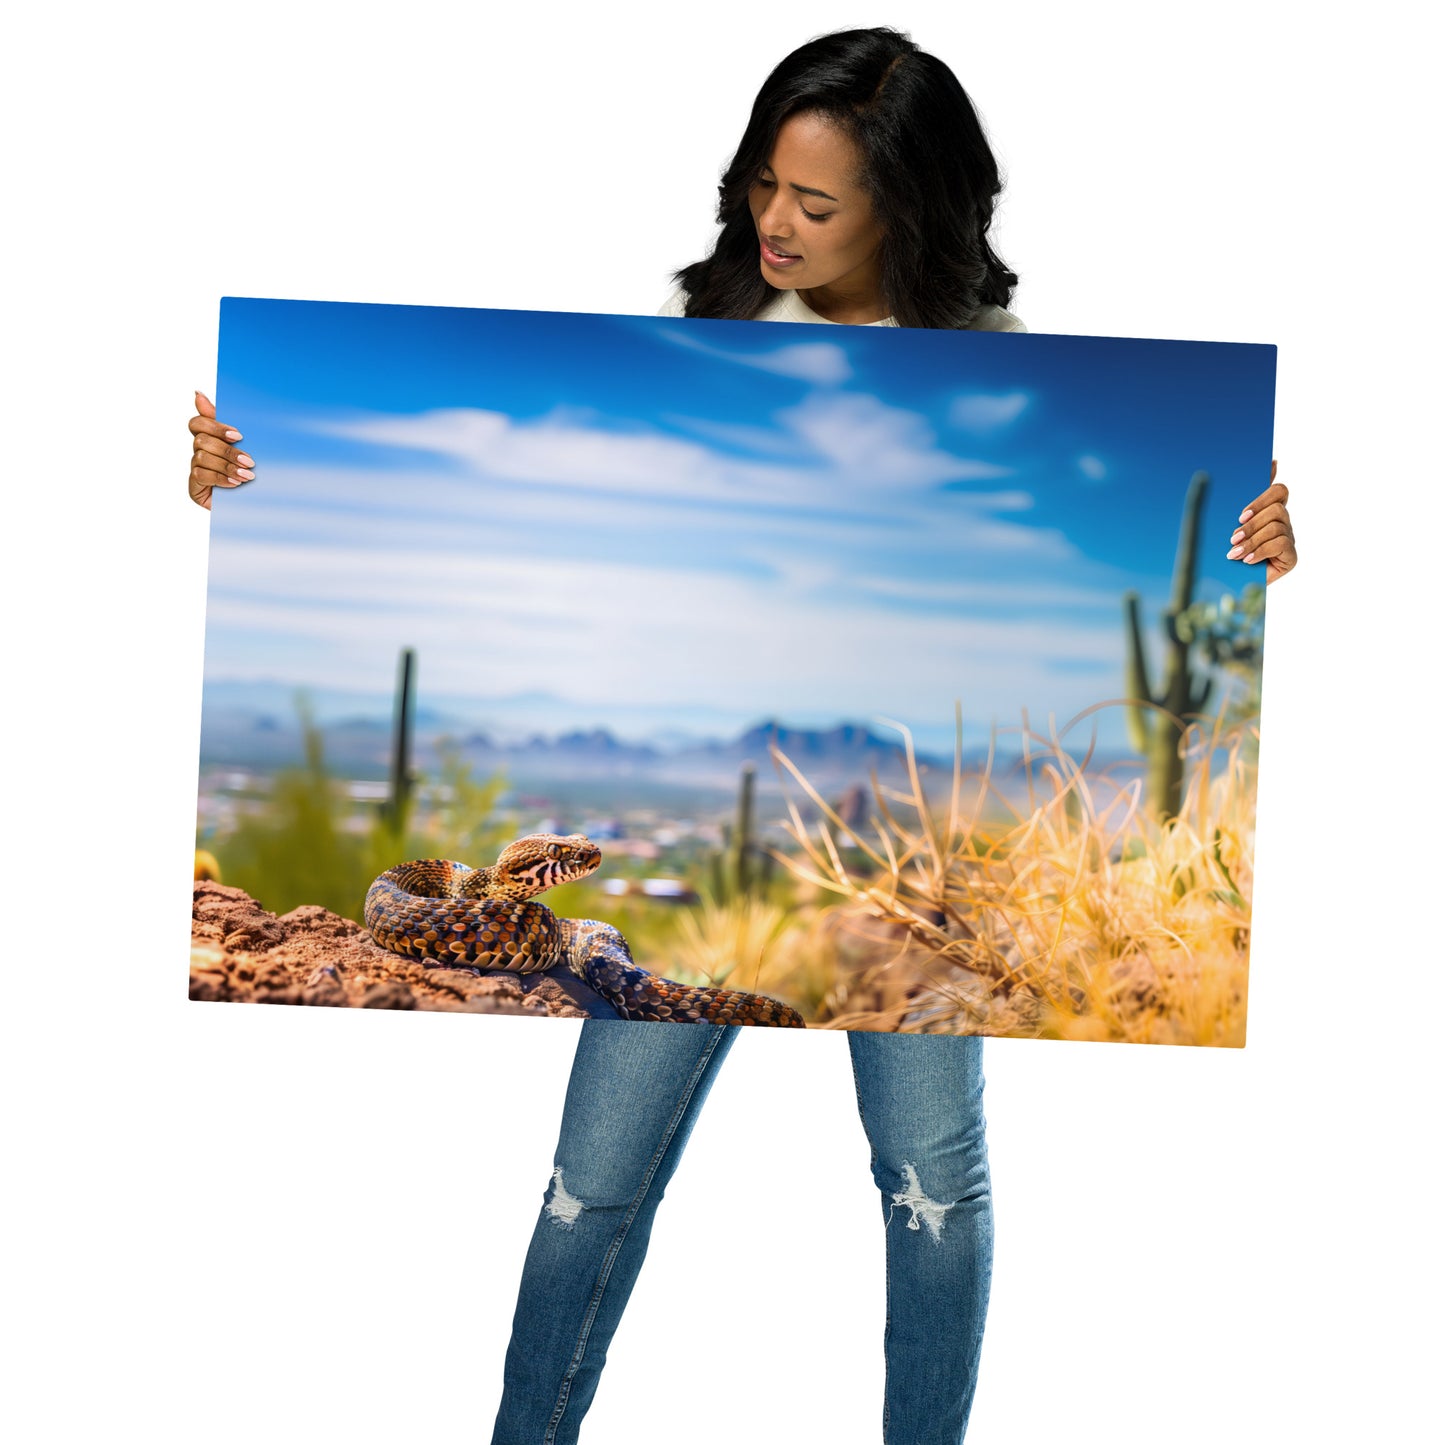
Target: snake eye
(552,850)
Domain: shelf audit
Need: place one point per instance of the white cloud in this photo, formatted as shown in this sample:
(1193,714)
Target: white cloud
(565,449)
(982,412)
(823,363)
(818,362)
(562,556)
(605,632)
(1016,500)
(874,449)
(457,514)
(741,436)
(861,436)
(1027,593)
(1093,468)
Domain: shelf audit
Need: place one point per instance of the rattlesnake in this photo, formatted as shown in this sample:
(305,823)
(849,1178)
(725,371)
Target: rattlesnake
(437,909)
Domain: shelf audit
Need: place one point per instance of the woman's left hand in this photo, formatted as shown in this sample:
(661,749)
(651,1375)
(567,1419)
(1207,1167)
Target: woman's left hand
(1265,533)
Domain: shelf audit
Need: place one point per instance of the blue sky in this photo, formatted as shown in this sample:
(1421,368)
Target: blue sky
(664,525)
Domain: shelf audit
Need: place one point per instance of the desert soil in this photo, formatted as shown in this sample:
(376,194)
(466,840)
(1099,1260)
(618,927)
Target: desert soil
(240,953)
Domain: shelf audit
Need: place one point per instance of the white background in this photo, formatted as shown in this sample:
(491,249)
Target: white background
(234,1224)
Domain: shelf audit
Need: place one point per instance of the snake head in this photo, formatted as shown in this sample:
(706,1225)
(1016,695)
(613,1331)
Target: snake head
(543,860)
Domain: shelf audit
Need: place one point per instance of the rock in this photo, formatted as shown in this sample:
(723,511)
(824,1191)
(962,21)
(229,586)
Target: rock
(389,994)
(241,953)
(560,989)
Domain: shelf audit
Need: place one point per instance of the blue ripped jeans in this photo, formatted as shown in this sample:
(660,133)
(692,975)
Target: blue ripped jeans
(635,1092)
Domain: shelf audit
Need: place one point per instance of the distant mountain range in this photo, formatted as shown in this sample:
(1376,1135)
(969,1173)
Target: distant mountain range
(256,728)
(849,749)
(246,737)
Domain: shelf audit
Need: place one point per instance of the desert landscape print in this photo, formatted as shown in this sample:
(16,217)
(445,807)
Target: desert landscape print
(873,679)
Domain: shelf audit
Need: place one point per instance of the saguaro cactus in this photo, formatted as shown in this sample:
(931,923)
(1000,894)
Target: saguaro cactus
(403,712)
(1157,735)
(733,870)
(741,846)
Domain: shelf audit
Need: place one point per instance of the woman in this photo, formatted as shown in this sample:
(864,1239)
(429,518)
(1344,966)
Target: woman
(861,193)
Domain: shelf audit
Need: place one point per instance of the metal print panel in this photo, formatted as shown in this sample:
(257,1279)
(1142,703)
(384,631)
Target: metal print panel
(681,670)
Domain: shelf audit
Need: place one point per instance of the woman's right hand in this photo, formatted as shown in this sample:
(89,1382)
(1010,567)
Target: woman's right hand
(214,461)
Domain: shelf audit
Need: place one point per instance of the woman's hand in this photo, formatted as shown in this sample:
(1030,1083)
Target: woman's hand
(1265,533)
(214,462)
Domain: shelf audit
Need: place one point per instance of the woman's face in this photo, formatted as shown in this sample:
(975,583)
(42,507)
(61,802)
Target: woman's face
(815,222)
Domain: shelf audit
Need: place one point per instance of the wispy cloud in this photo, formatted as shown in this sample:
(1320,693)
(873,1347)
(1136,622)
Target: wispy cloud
(861,436)
(762,441)
(981,412)
(1093,468)
(459,513)
(1014,500)
(836,436)
(821,363)
(1025,596)
(566,448)
(595,631)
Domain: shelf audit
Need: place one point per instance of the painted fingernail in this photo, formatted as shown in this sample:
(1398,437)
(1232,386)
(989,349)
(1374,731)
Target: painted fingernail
(1246,514)
(1250,558)
(245,475)
(1238,536)
(244,460)
(1236,551)
(232,435)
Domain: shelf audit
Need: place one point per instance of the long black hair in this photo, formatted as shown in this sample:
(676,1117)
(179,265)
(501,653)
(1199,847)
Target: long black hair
(927,167)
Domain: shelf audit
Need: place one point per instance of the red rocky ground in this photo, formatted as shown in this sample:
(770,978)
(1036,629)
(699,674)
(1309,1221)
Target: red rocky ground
(240,953)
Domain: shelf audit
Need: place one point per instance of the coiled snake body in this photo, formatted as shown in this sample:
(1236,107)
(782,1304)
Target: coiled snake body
(437,909)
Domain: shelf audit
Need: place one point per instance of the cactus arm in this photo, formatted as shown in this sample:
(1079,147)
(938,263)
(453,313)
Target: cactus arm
(1182,690)
(1177,684)
(402,727)
(742,838)
(1136,676)
(1186,559)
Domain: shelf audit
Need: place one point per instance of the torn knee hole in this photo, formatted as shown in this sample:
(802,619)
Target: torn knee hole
(562,1207)
(925,1213)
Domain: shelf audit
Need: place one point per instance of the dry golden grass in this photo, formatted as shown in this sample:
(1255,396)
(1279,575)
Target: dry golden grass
(1076,916)
(754,944)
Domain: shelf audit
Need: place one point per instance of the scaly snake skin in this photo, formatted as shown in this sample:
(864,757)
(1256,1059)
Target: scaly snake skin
(436,909)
